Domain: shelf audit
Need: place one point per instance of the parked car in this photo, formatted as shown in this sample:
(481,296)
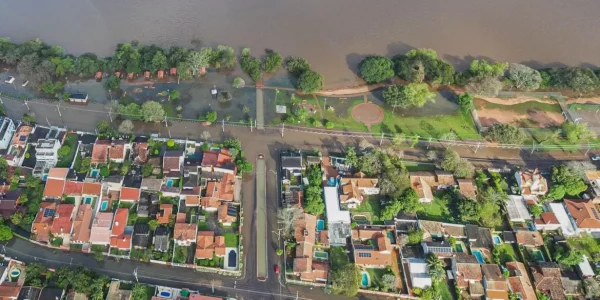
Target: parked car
(10,80)
(276,269)
(25,83)
(596,157)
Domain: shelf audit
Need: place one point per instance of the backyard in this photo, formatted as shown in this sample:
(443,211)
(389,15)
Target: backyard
(338,257)
(438,209)
(586,244)
(505,253)
(66,160)
(182,255)
(215,262)
(372,205)
(231,239)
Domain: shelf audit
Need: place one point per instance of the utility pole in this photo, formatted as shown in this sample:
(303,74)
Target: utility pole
(166,125)
(533,148)
(213,286)
(282,128)
(58,109)
(1,102)
(250,124)
(588,149)
(476,149)
(109,113)
(325,105)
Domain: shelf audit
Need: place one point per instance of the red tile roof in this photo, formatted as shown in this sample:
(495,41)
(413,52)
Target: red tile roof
(529,238)
(100,151)
(192,201)
(81,225)
(547,218)
(58,173)
(117,151)
(121,242)
(120,222)
(73,188)
(171,163)
(41,224)
(62,222)
(128,193)
(166,210)
(90,188)
(584,213)
(141,150)
(207,245)
(184,232)
(54,188)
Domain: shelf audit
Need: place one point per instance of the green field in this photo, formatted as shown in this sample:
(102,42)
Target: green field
(437,210)
(231,239)
(521,108)
(428,126)
(344,121)
(372,205)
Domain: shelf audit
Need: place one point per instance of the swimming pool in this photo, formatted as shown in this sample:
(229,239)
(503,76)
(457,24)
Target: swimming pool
(94,173)
(458,247)
(321,255)
(169,183)
(497,240)
(538,255)
(165,294)
(87,200)
(479,257)
(365,280)
(320,225)
(104,205)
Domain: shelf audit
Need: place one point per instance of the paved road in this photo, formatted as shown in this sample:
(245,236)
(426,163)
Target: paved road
(268,142)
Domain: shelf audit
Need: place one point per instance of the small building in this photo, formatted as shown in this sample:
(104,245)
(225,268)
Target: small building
(173,164)
(584,268)
(424,182)
(376,254)
(529,238)
(338,221)
(217,163)
(547,221)
(466,270)
(419,273)
(62,224)
(519,282)
(141,236)
(78,98)
(354,189)
(440,249)
(509,237)
(531,183)
(165,212)
(494,282)
(7,129)
(161,239)
(466,188)
(100,232)
(119,238)
(227,214)
(8,202)
(81,224)
(292,163)
(42,224)
(516,209)
(100,152)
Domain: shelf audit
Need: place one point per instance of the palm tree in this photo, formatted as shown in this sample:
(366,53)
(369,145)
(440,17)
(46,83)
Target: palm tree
(436,267)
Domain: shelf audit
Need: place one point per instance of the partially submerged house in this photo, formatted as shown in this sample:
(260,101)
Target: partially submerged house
(424,183)
(531,183)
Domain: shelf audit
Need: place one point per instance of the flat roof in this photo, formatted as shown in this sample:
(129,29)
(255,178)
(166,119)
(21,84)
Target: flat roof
(332,206)
(563,219)
(585,267)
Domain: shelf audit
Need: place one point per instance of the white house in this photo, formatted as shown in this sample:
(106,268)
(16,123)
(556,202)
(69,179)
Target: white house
(7,129)
(517,209)
(563,219)
(46,150)
(419,273)
(338,220)
(354,189)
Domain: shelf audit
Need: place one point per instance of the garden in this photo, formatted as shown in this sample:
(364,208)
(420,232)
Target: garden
(231,239)
(183,254)
(371,205)
(215,262)
(66,153)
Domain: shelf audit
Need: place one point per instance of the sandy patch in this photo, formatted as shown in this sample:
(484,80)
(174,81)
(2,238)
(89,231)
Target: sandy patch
(533,118)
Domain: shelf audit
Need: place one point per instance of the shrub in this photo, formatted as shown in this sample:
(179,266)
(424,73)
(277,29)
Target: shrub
(250,65)
(273,61)
(310,82)
(297,65)
(238,83)
(211,116)
(224,96)
(64,151)
(329,125)
(375,69)
(170,143)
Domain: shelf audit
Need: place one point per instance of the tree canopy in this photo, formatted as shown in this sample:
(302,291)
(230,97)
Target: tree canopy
(564,180)
(482,68)
(376,69)
(576,133)
(414,94)
(418,65)
(273,61)
(310,82)
(523,77)
(152,111)
(345,280)
(506,134)
(461,167)
(297,65)
(250,65)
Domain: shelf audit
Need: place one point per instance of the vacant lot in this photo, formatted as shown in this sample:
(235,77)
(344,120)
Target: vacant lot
(527,114)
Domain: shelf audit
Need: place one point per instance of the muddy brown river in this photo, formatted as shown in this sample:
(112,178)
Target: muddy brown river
(334,35)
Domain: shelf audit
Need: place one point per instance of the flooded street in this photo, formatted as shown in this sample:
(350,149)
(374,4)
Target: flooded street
(334,35)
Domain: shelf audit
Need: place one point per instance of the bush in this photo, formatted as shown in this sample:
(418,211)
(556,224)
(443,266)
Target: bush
(170,143)
(329,125)
(238,83)
(310,82)
(506,134)
(250,65)
(273,61)
(64,151)
(297,65)
(224,96)
(147,170)
(211,116)
(376,69)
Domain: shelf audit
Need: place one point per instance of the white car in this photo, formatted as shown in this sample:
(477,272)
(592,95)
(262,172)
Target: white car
(596,157)
(25,83)
(10,80)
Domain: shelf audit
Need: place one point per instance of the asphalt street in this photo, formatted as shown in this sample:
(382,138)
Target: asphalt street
(268,142)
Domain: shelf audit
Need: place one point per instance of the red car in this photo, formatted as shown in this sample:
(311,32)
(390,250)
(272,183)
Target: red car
(276,268)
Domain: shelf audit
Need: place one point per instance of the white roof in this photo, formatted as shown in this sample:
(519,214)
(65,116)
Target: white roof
(517,211)
(419,273)
(586,268)
(563,219)
(332,206)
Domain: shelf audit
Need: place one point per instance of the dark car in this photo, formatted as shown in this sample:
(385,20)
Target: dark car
(276,269)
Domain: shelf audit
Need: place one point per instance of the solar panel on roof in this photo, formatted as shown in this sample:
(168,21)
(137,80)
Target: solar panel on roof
(48,212)
(22,138)
(595,213)
(363,247)
(364,254)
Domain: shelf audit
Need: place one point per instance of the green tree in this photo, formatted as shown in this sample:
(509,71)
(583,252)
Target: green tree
(52,88)
(139,292)
(131,111)
(5,233)
(313,202)
(273,61)
(351,158)
(466,102)
(506,134)
(297,65)
(86,65)
(197,60)
(592,288)
(250,65)
(224,96)
(423,64)
(345,280)
(233,143)
(238,83)
(576,133)
(16,218)
(370,163)
(147,170)
(415,236)
(152,111)
(566,256)
(414,94)
(484,86)
(376,69)
(436,268)
(112,83)
(279,252)
(388,282)
(523,77)
(126,127)
(211,116)
(329,125)
(536,210)
(310,82)
(174,95)
(159,62)
(485,69)
(104,171)
(573,185)
(573,78)
(34,273)
(64,151)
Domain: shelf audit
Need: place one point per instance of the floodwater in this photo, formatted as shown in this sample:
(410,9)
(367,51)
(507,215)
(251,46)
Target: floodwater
(334,35)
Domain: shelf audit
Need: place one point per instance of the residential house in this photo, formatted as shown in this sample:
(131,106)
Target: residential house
(11,287)
(130,194)
(547,221)
(191,165)
(467,270)
(494,282)
(547,279)
(161,239)
(292,164)
(208,245)
(81,224)
(439,248)
(185,234)
(419,273)
(118,150)
(141,236)
(531,183)
(151,184)
(8,202)
(100,152)
(190,184)
(62,224)
(7,129)
(306,266)
(91,191)
(529,238)
(55,183)
(560,212)
(165,212)
(456,231)
(338,220)
(509,237)
(78,98)
(593,178)
(376,254)
(101,228)
(173,164)
(466,188)
(118,237)
(73,188)
(519,282)
(209,204)
(354,189)
(140,153)
(46,154)
(219,162)
(192,201)
(227,214)
(480,239)
(584,216)
(431,230)
(42,224)
(516,208)
(15,153)
(424,182)
(223,189)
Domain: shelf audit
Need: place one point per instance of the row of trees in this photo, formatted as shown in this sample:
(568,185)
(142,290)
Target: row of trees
(308,81)
(481,78)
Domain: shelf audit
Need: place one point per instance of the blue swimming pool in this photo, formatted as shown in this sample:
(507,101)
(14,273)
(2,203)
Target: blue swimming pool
(320,225)
(104,205)
(365,280)
(94,173)
(87,200)
(169,183)
(165,294)
(479,257)
(497,240)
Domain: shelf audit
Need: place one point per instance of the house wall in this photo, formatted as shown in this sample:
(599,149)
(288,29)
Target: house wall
(8,128)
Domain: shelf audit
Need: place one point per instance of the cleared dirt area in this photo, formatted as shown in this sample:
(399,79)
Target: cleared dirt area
(525,114)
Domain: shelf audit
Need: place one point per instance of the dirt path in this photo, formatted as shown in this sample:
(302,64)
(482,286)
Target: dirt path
(518,100)
(488,117)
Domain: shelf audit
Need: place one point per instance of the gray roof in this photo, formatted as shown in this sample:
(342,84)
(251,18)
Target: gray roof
(484,239)
(509,237)
(161,239)
(151,184)
(291,162)
(141,235)
(177,153)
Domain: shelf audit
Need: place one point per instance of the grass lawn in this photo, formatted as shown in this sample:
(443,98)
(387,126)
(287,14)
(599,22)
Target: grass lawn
(338,257)
(169,110)
(506,253)
(71,141)
(437,210)
(583,106)
(444,290)
(75,247)
(372,205)
(376,277)
(428,126)
(180,255)
(202,226)
(231,239)
(344,123)
(521,108)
